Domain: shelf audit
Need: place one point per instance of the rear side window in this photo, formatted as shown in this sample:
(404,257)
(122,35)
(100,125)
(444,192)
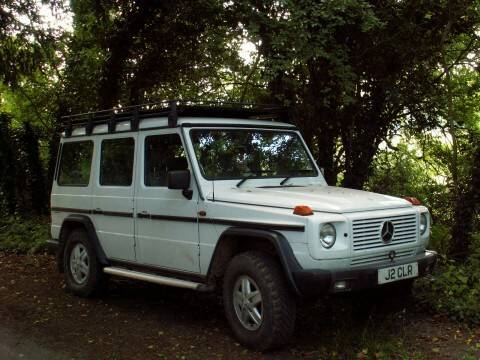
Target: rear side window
(163,153)
(116,162)
(75,163)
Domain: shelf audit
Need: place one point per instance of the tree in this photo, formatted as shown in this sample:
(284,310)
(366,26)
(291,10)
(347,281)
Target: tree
(354,70)
(131,52)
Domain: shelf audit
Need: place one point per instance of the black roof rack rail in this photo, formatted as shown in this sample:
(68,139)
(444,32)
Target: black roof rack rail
(172,109)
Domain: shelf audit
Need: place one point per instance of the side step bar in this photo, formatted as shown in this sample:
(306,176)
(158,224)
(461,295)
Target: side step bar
(157,279)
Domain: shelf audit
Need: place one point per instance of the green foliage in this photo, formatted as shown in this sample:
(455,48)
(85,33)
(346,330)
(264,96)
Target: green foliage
(440,239)
(403,172)
(24,43)
(455,288)
(22,182)
(23,235)
(353,69)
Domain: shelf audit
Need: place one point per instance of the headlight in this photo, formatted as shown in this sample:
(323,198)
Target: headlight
(423,223)
(328,235)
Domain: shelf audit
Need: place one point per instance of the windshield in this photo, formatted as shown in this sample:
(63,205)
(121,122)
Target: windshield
(238,153)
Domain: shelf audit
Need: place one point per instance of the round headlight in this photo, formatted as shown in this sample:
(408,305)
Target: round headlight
(328,235)
(423,223)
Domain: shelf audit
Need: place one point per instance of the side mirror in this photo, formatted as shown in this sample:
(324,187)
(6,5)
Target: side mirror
(178,179)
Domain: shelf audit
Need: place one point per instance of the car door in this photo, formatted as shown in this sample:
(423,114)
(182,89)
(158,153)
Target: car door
(166,226)
(113,195)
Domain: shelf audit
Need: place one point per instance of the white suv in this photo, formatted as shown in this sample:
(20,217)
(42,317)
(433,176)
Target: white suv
(222,197)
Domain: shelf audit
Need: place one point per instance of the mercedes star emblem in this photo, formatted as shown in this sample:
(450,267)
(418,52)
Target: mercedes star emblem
(387,231)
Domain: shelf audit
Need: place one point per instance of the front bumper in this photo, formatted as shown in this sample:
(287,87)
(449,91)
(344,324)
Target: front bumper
(317,282)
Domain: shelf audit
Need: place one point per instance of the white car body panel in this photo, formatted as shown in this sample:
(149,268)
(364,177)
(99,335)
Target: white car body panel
(115,233)
(165,243)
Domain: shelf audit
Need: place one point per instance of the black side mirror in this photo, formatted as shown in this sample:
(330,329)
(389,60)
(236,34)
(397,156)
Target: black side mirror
(180,180)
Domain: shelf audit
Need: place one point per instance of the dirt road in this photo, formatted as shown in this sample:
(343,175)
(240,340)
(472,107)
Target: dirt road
(40,320)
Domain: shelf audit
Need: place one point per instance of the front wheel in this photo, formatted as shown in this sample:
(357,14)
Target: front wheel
(258,304)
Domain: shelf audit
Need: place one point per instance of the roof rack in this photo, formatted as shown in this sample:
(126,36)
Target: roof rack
(172,109)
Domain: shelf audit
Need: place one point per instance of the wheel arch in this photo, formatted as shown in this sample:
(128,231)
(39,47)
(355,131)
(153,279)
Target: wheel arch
(69,224)
(235,240)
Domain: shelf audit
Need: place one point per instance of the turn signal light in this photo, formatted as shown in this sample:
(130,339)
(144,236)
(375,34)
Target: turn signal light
(413,200)
(302,210)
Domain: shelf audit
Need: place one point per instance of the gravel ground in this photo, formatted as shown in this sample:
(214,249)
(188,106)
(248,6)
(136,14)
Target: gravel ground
(40,320)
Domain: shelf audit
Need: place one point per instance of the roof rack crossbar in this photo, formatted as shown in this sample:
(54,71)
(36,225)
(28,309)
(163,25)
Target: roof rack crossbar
(135,121)
(173,115)
(112,123)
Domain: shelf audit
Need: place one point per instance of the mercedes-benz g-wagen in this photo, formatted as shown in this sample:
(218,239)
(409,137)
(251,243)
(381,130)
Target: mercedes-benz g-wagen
(222,197)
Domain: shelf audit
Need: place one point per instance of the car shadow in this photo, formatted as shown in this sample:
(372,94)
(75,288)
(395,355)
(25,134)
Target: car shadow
(334,323)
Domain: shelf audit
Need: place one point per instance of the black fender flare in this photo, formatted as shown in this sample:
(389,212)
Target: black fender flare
(85,222)
(281,245)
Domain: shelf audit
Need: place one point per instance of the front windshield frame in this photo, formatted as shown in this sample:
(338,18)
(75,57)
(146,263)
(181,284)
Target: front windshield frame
(315,171)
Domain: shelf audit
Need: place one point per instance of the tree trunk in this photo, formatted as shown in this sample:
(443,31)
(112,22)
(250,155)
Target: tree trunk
(34,170)
(7,167)
(465,209)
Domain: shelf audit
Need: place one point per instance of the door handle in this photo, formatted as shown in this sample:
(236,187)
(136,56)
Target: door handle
(143,214)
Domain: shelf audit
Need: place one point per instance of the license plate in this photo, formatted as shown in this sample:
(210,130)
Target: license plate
(399,272)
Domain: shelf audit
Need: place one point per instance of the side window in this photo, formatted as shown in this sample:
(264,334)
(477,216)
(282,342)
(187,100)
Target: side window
(163,153)
(75,163)
(116,162)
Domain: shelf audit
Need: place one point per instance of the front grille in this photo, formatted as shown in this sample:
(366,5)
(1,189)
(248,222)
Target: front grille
(382,257)
(367,232)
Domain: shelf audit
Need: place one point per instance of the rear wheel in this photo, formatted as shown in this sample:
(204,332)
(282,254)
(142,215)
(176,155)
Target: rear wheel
(258,305)
(83,273)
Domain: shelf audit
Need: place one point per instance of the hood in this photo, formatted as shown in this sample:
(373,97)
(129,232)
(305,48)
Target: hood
(320,198)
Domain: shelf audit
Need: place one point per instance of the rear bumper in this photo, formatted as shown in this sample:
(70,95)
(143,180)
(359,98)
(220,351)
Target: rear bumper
(317,282)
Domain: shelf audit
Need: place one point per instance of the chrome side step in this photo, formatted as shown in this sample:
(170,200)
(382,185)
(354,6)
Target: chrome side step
(162,280)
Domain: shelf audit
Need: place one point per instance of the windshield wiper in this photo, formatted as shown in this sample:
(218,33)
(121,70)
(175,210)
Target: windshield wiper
(286,179)
(296,173)
(243,180)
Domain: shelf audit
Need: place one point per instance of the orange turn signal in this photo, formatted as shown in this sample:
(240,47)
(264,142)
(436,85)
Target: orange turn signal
(302,210)
(413,200)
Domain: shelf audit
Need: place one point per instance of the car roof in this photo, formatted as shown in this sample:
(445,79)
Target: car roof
(188,122)
(174,113)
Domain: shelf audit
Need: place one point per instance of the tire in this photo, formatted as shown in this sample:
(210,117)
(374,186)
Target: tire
(82,280)
(277,307)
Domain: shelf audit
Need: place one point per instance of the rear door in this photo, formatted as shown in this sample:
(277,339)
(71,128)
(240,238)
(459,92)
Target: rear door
(166,223)
(113,193)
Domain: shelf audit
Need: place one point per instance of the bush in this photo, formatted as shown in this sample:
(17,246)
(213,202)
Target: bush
(23,235)
(440,238)
(455,288)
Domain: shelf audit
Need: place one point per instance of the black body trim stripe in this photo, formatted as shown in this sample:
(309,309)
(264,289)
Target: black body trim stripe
(93,212)
(72,210)
(256,225)
(172,218)
(117,213)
